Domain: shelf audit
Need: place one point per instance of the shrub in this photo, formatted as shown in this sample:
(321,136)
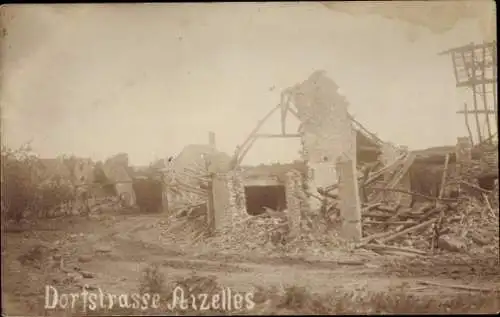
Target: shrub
(19,181)
(152,280)
(23,187)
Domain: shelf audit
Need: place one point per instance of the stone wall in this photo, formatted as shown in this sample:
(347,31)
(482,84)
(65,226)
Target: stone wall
(221,201)
(296,200)
(237,201)
(229,198)
(115,169)
(327,130)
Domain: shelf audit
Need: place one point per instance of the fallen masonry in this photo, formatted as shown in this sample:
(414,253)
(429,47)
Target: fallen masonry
(350,188)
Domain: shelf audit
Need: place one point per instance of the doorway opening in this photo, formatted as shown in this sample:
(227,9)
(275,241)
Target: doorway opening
(270,196)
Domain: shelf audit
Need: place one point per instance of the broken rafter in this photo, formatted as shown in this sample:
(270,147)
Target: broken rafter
(461,287)
(285,105)
(474,91)
(251,138)
(361,127)
(408,230)
(285,108)
(487,111)
(244,152)
(490,139)
(404,170)
(381,248)
(264,135)
(485,97)
(479,189)
(374,176)
(472,82)
(371,222)
(467,122)
(468,47)
(414,194)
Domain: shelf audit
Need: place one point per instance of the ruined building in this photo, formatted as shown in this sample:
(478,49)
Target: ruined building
(330,137)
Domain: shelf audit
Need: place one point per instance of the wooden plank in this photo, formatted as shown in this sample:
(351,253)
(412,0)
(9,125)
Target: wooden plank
(406,231)
(468,47)
(245,151)
(361,127)
(210,209)
(374,176)
(406,167)
(292,111)
(467,122)
(407,163)
(485,97)
(473,82)
(377,247)
(488,111)
(454,61)
(474,94)
(460,287)
(284,107)
(495,84)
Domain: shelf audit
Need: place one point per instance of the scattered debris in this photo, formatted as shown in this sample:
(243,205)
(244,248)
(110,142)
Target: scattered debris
(462,287)
(84,258)
(103,248)
(86,274)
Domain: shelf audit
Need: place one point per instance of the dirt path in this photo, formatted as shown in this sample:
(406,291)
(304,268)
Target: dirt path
(114,249)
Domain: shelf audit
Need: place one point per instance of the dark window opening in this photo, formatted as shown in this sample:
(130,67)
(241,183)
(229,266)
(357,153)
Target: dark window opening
(258,197)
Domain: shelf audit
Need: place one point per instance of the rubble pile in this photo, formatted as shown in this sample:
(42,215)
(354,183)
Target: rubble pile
(255,234)
(269,234)
(456,217)
(186,224)
(454,227)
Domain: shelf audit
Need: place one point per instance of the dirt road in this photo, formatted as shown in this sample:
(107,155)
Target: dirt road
(110,251)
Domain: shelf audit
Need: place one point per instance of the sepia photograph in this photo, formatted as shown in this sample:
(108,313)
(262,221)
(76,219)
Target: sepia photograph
(249,158)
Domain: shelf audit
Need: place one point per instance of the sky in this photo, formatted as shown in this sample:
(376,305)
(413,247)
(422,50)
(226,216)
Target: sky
(94,80)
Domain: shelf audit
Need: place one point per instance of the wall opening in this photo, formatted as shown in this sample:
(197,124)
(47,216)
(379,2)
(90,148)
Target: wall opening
(258,197)
(149,194)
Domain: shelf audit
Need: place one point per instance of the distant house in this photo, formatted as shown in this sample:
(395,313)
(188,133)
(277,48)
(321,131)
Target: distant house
(193,161)
(118,172)
(51,169)
(83,171)
(77,171)
(198,159)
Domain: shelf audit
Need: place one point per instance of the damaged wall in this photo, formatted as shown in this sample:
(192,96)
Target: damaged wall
(296,199)
(327,129)
(116,170)
(228,198)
